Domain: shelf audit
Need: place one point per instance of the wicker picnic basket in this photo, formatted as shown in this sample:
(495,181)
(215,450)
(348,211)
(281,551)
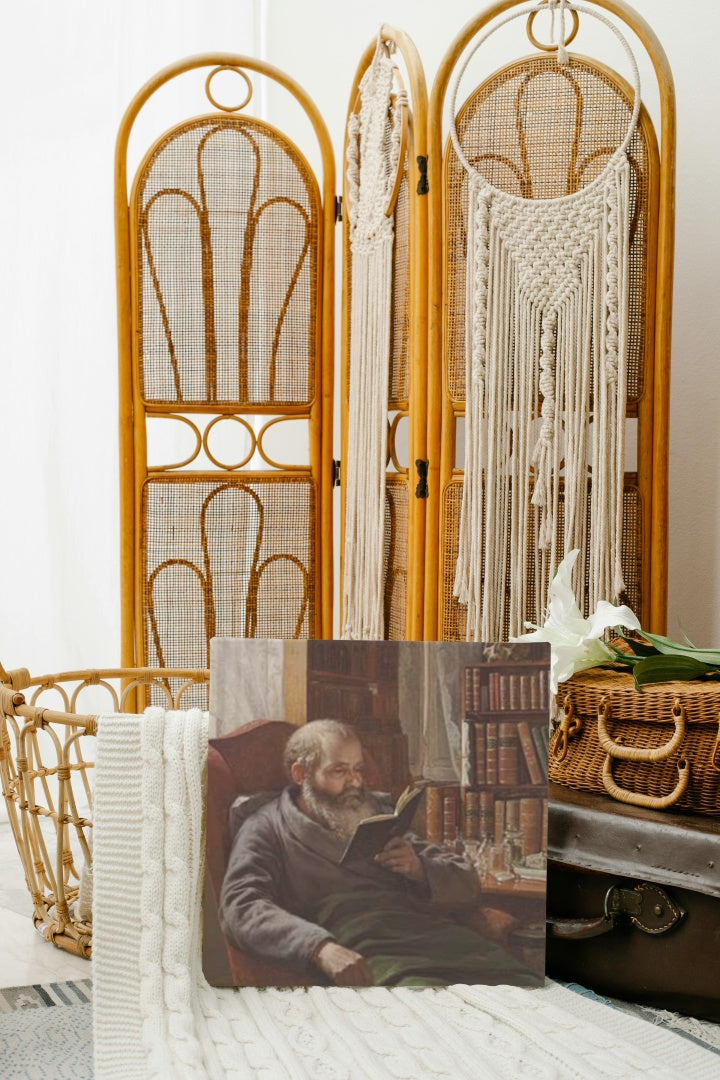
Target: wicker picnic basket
(46,758)
(658,747)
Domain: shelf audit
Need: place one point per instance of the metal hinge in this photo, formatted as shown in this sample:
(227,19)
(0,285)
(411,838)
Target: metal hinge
(422,187)
(421,491)
(336,473)
(338,208)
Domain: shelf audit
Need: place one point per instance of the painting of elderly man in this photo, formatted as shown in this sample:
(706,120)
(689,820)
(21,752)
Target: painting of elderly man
(406,912)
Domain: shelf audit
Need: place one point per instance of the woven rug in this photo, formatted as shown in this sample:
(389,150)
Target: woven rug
(46,1031)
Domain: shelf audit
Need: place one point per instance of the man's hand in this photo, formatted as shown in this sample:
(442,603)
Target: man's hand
(343,966)
(399,856)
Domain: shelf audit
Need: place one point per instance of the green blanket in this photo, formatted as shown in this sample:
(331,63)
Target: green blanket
(407,943)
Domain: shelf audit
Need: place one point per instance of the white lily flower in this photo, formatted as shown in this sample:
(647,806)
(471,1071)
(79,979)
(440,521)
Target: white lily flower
(575,641)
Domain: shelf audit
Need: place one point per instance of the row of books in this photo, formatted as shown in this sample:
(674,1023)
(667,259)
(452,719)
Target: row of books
(452,812)
(508,753)
(501,691)
(350,703)
(371,660)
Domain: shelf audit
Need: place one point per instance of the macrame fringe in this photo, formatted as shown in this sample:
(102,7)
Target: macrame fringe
(371,167)
(547,303)
(546,383)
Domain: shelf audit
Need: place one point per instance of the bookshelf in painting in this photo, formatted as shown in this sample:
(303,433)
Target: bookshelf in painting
(502,795)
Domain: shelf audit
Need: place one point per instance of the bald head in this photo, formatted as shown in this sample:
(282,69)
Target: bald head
(306,746)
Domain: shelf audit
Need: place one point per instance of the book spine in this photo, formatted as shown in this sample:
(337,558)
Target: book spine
(527,744)
(471,823)
(541,739)
(468,696)
(499,821)
(525,692)
(507,754)
(491,753)
(450,816)
(468,772)
(531,827)
(494,691)
(479,740)
(487,814)
(513,692)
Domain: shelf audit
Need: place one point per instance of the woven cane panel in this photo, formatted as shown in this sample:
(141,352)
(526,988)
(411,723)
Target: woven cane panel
(453,618)
(396,556)
(226,231)
(540,131)
(233,558)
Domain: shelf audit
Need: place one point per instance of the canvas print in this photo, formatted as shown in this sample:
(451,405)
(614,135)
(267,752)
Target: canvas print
(376,813)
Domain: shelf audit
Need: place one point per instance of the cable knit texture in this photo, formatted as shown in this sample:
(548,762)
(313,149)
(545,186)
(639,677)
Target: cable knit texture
(155,1015)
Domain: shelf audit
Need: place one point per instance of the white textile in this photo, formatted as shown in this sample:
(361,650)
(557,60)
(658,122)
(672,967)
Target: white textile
(155,1016)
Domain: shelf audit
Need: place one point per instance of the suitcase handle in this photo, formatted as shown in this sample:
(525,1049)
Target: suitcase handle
(634,798)
(634,753)
(647,906)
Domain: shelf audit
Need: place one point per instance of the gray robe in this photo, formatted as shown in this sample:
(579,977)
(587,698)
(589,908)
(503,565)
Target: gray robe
(283,865)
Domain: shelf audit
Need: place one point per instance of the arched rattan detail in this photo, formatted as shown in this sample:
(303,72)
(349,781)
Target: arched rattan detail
(179,185)
(645,497)
(261,448)
(405,539)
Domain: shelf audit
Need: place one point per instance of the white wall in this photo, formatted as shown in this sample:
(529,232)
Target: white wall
(68,71)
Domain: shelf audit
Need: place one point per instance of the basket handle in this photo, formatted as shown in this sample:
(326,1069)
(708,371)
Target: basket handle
(652,802)
(634,753)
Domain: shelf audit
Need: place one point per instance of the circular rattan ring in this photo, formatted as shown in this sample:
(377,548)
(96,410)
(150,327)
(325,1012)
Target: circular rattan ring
(551,48)
(238,71)
(216,461)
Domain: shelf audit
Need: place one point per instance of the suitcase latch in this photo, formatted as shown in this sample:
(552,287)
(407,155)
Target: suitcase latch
(647,906)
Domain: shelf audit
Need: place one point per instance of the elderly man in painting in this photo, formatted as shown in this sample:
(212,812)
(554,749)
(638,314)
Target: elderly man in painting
(375,921)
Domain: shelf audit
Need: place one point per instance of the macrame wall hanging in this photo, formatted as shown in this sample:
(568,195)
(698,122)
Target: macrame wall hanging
(546,340)
(375,154)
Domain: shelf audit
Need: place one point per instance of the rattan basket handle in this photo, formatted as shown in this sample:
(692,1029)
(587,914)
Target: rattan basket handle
(652,802)
(634,753)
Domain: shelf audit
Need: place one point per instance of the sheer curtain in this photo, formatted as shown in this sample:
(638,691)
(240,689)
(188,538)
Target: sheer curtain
(68,72)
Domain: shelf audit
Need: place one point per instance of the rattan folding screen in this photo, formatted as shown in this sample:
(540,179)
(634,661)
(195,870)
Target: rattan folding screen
(225,255)
(225,288)
(511,134)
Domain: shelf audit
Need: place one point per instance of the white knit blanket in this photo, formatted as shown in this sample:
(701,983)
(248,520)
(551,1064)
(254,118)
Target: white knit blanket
(155,1015)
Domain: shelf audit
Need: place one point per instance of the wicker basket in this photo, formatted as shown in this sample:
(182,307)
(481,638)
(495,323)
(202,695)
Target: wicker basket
(658,747)
(46,754)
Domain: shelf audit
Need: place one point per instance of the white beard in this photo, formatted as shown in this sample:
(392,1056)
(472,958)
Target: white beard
(339,813)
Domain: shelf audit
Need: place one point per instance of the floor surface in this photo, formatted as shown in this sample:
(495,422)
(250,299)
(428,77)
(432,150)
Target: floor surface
(25,957)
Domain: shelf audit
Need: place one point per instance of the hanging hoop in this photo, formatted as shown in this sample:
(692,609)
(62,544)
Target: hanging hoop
(454,86)
(238,71)
(552,47)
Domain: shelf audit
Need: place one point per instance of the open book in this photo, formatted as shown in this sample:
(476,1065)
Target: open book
(372,834)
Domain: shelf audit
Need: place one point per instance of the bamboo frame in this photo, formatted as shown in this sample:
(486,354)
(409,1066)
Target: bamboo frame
(653,411)
(417,299)
(30,767)
(133,410)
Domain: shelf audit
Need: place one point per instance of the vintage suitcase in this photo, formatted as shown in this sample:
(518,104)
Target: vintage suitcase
(656,748)
(634,902)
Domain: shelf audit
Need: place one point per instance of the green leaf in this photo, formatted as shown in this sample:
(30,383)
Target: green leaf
(654,669)
(640,648)
(687,639)
(672,648)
